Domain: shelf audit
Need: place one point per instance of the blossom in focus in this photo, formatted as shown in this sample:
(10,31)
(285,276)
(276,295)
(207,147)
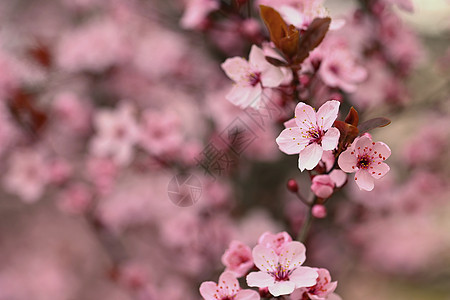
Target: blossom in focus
(117,132)
(312,133)
(323,289)
(227,288)
(251,77)
(366,159)
(238,258)
(281,273)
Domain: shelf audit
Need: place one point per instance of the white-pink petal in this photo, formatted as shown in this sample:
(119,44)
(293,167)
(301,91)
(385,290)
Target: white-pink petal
(310,157)
(338,177)
(381,149)
(330,139)
(304,277)
(290,141)
(379,170)
(327,114)
(228,280)
(264,258)
(247,295)
(292,255)
(282,288)
(361,143)
(208,289)
(305,116)
(236,68)
(260,279)
(364,180)
(347,161)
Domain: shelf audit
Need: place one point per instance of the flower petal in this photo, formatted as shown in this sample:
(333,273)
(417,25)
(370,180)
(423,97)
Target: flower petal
(290,141)
(260,279)
(310,157)
(327,114)
(304,277)
(282,288)
(382,150)
(379,170)
(305,116)
(228,281)
(292,255)
(364,180)
(338,177)
(347,161)
(236,68)
(264,258)
(290,123)
(361,143)
(330,139)
(247,295)
(208,289)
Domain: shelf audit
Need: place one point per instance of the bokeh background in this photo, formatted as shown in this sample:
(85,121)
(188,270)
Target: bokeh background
(104,102)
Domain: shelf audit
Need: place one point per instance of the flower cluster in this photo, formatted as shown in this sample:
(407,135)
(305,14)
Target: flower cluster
(279,260)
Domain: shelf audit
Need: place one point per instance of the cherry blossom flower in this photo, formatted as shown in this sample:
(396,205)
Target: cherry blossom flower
(323,290)
(117,134)
(339,68)
(27,174)
(366,159)
(251,77)
(274,241)
(281,273)
(238,258)
(227,288)
(312,133)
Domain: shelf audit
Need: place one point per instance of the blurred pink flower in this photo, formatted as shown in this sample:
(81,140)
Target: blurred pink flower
(117,133)
(27,174)
(94,46)
(281,273)
(339,68)
(366,159)
(75,199)
(101,171)
(312,134)
(72,112)
(196,12)
(274,241)
(227,288)
(238,258)
(160,132)
(251,77)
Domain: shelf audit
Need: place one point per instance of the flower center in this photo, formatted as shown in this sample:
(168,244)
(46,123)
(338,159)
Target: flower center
(281,274)
(254,78)
(364,162)
(315,135)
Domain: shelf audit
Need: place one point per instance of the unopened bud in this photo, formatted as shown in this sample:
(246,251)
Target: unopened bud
(319,211)
(292,186)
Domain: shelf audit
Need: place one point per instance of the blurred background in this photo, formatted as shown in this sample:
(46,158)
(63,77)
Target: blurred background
(121,179)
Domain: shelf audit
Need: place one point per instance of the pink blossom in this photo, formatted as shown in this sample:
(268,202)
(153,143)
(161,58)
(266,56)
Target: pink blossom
(319,211)
(274,241)
(160,132)
(324,286)
(117,132)
(196,12)
(312,134)
(27,174)
(227,288)
(322,186)
(250,78)
(406,5)
(366,159)
(281,273)
(72,112)
(339,68)
(238,258)
(75,199)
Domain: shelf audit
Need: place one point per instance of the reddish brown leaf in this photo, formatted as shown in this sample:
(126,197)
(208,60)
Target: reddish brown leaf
(275,24)
(311,38)
(372,124)
(275,62)
(352,117)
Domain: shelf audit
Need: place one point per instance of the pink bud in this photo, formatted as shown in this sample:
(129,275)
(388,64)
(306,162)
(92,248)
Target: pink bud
(319,211)
(322,186)
(304,80)
(292,186)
